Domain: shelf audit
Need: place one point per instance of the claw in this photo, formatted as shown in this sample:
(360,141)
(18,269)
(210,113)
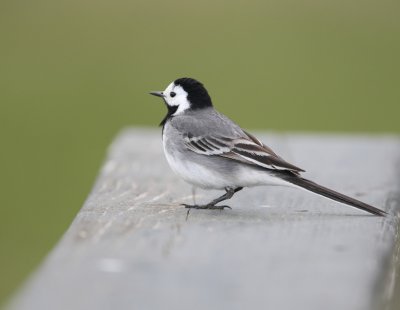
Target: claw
(205,207)
(222,207)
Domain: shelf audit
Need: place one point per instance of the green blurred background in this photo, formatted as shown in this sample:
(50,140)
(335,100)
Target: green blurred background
(73,73)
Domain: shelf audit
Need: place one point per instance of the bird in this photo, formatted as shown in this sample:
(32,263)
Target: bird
(208,150)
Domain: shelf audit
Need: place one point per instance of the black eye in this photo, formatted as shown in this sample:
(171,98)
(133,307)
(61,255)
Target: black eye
(172,94)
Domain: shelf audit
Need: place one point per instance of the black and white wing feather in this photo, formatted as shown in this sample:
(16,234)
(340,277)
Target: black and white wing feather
(246,149)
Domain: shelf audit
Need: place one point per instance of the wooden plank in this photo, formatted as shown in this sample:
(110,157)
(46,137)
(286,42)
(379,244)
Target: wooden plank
(131,247)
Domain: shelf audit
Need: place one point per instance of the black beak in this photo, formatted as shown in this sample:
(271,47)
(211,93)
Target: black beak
(157,93)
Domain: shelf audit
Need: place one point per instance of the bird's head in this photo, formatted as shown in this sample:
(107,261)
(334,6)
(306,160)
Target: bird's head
(184,94)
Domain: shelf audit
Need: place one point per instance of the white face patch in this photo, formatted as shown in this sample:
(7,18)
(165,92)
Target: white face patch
(179,99)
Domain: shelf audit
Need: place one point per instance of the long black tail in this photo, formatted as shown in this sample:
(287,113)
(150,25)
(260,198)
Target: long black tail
(329,193)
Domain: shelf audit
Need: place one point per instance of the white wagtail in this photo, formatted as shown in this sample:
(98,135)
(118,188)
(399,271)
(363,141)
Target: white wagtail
(210,151)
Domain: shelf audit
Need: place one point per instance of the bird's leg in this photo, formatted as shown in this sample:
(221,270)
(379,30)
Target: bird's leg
(228,195)
(230,191)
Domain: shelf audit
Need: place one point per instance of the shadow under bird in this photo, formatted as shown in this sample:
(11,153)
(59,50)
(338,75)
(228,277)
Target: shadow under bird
(210,151)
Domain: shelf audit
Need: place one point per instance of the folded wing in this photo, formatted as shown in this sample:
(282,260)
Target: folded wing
(246,149)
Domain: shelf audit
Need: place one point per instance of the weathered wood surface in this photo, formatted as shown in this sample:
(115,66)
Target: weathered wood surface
(130,247)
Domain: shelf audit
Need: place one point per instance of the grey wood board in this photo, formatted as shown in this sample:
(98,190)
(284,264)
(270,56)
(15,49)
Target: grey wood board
(131,247)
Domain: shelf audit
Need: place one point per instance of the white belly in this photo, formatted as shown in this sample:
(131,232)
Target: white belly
(198,175)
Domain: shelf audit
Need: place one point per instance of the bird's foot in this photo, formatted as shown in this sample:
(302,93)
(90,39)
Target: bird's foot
(205,207)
